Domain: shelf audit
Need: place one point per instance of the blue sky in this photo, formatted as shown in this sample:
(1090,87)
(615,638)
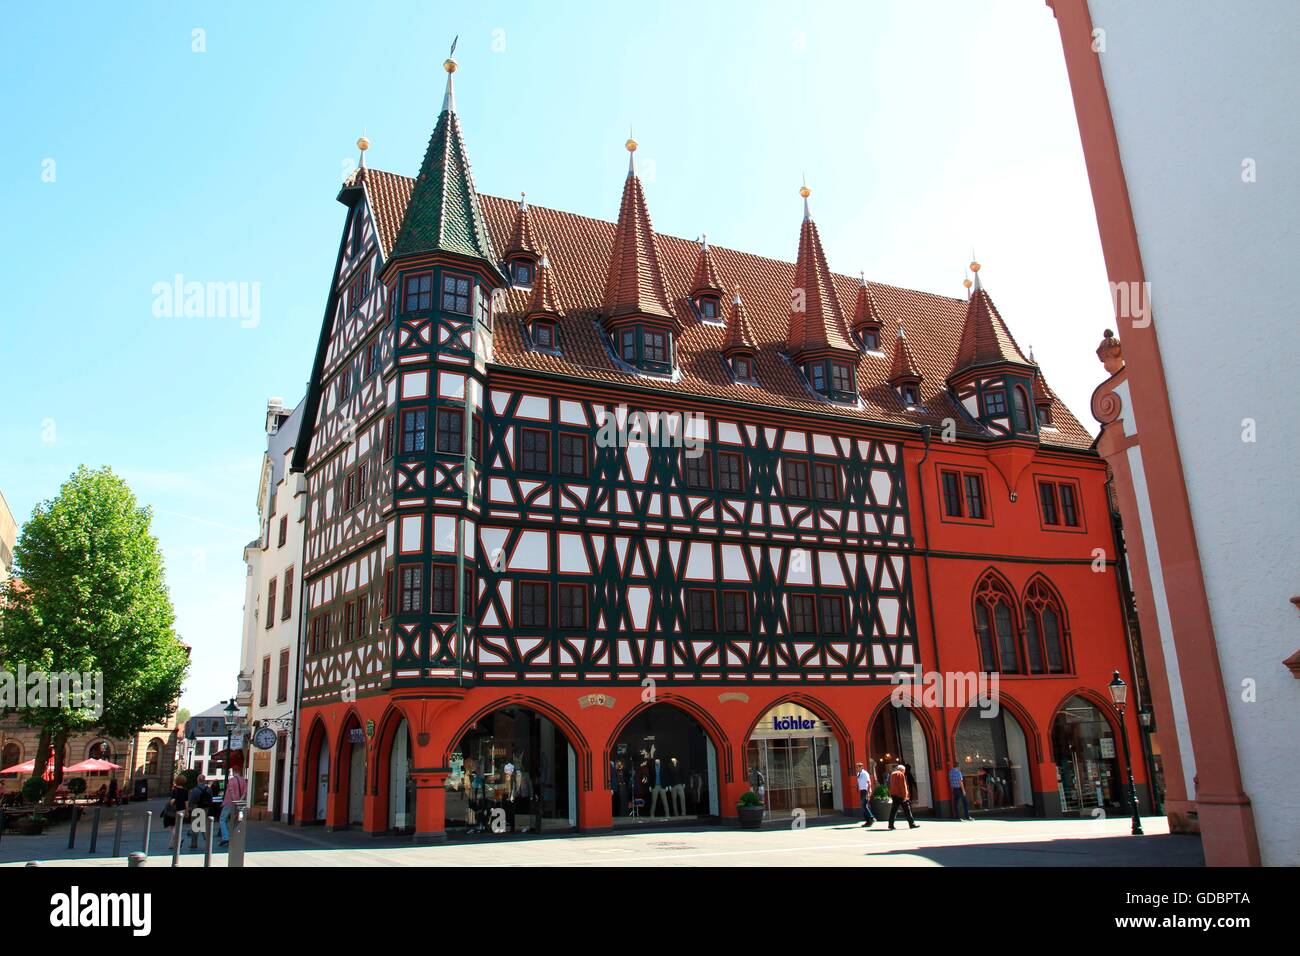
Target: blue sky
(925,130)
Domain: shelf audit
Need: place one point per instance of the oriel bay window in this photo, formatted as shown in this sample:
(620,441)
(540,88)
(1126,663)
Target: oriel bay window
(414,423)
(442,596)
(995,403)
(451,431)
(410,582)
(418,296)
(456,291)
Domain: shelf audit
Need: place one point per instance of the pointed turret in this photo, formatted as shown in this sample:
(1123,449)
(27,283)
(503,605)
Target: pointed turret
(990,376)
(634,285)
(740,334)
(904,370)
(1044,397)
(816,323)
(867,317)
(984,336)
(443,214)
(522,241)
(706,281)
(545,300)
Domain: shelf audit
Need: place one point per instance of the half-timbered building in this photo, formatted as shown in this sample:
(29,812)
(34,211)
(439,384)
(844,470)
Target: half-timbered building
(607,527)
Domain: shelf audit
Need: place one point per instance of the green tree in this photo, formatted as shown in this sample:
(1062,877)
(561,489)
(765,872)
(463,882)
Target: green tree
(89,596)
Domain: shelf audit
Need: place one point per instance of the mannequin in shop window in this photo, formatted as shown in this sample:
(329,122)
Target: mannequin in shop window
(524,799)
(659,789)
(677,786)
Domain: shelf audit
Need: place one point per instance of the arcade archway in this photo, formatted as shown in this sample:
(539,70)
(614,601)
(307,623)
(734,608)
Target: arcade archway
(512,771)
(662,766)
(898,736)
(993,756)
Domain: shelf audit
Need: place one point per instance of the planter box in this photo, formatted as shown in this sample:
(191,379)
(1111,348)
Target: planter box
(751,818)
(880,809)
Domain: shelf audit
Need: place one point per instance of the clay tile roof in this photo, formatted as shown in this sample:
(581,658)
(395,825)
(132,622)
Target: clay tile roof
(821,323)
(521,234)
(579,250)
(545,299)
(904,365)
(634,283)
(706,274)
(985,339)
(865,309)
(443,212)
(740,334)
(1043,394)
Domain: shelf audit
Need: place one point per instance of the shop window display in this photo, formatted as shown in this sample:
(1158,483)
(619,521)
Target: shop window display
(994,761)
(662,767)
(897,737)
(1087,766)
(513,772)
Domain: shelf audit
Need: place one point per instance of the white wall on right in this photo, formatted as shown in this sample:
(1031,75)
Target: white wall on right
(1204,100)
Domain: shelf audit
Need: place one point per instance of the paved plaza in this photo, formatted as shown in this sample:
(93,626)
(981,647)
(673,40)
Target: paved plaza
(985,842)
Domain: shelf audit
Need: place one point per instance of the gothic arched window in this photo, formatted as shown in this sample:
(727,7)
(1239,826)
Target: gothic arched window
(1045,629)
(995,626)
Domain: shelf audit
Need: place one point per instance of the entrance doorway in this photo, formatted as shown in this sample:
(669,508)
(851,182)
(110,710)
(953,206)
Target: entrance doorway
(512,772)
(662,767)
(1087,765)
(793,762)
(322,781)
(357,783)
(898,737)
(401,785)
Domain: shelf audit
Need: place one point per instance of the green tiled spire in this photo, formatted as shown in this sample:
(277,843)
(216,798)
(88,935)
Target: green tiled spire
(443,214)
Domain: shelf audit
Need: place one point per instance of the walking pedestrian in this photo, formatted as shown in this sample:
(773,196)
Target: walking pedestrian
(960,805)
(174,810)
(864,791)
(236,790)
(200,799)
(900,796)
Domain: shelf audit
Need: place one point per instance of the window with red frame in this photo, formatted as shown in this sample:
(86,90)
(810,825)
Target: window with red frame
(700,611)
(698,469)
(419,293)
(270,603)
(831,612)
(266,682)
(1058,504)
(534,450)
(287,597)
(284,531)
(796,478)
(826,482)
(735,612)
(282,685)
(731,471)
(573,605)
(803,614)
(963,494)
(534,605)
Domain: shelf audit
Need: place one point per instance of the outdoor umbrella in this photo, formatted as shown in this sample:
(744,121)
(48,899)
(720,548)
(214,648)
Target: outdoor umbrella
(28,767)
(93,765)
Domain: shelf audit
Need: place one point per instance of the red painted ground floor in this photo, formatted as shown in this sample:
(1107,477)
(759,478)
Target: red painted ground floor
(557,758)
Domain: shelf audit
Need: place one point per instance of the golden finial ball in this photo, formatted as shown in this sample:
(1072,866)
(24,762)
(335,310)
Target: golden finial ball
(631,145)
(449,65)
(974,267)
(805,192)
(967,283)
(363,144)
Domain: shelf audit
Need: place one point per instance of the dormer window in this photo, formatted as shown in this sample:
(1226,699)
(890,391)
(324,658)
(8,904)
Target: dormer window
(648,349)
(832,379)
(545,335)
(743,370)
(1044,416)
(909,395)
(710,307)
(869,338)
(521,272)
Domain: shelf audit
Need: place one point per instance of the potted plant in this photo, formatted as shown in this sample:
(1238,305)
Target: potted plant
(750,807)
(880,801)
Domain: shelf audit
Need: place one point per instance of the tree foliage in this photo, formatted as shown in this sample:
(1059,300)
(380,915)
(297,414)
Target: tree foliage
(89,595)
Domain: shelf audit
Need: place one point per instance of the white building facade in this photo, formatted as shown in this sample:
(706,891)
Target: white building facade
(268,673)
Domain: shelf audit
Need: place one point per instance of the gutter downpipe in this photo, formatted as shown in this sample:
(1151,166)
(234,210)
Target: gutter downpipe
(926,433)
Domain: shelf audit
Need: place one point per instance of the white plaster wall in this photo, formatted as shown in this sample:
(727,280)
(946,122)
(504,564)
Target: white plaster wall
(1195,88)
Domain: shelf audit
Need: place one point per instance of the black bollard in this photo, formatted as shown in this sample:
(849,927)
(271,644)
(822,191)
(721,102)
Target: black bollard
(94,830)
(207,841)
(148,827)
(117,832)
(72,830)
(176,843)
(2,823)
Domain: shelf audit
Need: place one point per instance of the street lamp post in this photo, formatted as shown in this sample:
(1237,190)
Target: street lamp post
(1119,695)
(232,714)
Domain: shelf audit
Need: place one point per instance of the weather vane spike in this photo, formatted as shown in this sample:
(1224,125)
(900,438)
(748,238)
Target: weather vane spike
(454,41)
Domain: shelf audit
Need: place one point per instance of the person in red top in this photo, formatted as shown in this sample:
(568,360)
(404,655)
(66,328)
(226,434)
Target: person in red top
(899,795)
(236,791)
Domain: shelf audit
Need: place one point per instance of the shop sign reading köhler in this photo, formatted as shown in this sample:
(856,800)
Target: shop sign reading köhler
(791,720)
